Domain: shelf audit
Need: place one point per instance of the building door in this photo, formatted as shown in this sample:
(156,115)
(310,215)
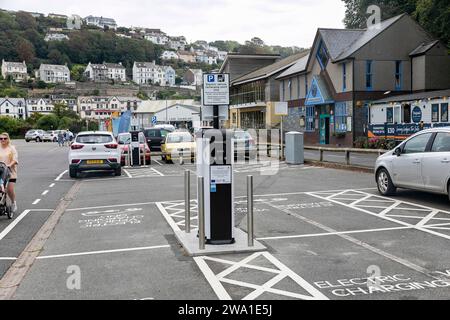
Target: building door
(324,129)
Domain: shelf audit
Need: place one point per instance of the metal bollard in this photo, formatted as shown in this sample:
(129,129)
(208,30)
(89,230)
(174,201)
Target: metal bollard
(321,154)
(347,157)
(201,212)
(187,199)
(250,210)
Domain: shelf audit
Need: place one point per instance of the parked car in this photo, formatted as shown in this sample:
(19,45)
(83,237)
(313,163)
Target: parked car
(124,140)
(155,137)
(51,136)
(34,134)
(244,145)
(94,151)
(167,127)
(178,144)
(422,162)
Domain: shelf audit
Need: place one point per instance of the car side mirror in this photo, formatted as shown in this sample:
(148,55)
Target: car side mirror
(398,152)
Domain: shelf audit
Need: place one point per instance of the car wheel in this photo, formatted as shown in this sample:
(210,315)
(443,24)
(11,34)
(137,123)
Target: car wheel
(118,172)
(27,141)
(384,183)
(73,173)
(38,139)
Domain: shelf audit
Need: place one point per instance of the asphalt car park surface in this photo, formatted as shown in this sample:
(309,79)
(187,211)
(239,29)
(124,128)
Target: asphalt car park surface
(326,231)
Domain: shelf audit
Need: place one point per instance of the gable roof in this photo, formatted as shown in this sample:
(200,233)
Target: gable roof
(415,96)
(298,67)
(269,70)
(113,65)
(56,67)
(231,55)
(368,35)
(423,48)
(13,101)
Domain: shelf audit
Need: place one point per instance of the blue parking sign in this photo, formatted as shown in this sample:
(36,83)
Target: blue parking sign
(154,120)
(211,78)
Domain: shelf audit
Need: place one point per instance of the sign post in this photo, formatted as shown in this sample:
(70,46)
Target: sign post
(281,109)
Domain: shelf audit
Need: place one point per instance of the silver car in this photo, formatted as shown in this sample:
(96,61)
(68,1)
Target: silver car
(422,162)
(34,134)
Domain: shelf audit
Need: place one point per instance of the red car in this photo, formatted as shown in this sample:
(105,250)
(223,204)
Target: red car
(124,140)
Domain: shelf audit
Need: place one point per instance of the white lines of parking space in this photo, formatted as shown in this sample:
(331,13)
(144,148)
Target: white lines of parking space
(174,213)
(411,215)
(266,167)
(238,273)
(142,172)
(280,276)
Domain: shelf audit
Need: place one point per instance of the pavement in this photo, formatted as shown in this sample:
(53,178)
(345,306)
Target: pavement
(328,233)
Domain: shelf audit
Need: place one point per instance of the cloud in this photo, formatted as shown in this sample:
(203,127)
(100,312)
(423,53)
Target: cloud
(277,22)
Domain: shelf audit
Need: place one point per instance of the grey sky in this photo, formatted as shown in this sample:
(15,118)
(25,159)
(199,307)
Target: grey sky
(277,22)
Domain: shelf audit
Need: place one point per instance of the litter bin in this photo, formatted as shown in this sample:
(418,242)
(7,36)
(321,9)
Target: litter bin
(294,148)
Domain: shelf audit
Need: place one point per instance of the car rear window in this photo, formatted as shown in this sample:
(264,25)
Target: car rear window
(152,133)
(125,139)
(178,138)
(94,138)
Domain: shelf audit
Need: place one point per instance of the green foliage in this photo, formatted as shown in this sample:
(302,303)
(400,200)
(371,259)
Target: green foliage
(48,122)
(432,15)
(76,73)
(142,95)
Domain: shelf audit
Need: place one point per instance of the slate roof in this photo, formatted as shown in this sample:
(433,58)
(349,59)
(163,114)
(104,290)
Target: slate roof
(415,96)
(423,48)
(298,67)
(270,70)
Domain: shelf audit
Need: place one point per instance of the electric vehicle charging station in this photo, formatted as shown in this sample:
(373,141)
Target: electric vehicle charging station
(135,151)
(215,165)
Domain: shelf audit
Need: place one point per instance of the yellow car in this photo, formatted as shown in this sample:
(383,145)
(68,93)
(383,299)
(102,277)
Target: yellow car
(178,145)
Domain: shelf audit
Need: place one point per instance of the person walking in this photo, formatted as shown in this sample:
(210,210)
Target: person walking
(9,156)
(60,138)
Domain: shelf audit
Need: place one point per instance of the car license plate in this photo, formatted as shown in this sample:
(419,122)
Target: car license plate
(94,162)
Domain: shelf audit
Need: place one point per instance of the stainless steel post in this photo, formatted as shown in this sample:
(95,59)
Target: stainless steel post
(201,212)
(250,210)
(187,199)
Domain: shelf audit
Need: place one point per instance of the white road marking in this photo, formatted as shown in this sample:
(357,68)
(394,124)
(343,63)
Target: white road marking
(279,272)
(153,169)
(101,252)
(7,259)
(360,243)
(127,173)
(60,176)
(112,206)
(52,185)
(214,282)
(158,162)
(45,192)
(333,233)
(36,201)
(166,216)
(13,224)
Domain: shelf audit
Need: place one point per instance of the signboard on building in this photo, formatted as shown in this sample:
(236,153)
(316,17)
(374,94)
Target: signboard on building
(416,115)
(281,108)
(216,89)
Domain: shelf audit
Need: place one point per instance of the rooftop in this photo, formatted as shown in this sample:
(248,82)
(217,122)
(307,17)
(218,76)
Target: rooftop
(416,96)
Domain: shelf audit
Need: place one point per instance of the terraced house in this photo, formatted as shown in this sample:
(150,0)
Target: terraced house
(329,91)
(13,107)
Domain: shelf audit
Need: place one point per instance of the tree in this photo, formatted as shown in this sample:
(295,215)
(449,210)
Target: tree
(77,72)
(65,123)
(25,50)
(25,20)
(48,122)
(257,42)
(432,15)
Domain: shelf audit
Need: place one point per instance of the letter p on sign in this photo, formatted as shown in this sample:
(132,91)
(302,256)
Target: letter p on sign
(211,78)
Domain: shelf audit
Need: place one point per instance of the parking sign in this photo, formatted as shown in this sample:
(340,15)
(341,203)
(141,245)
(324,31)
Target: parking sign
(154,120)
(216,89)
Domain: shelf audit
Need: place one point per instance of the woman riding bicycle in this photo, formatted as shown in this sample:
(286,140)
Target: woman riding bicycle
(8,155)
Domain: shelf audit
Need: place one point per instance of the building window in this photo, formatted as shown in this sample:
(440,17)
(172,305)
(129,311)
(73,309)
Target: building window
(7,111)
(290,89)
(369,74)
(435,113)
(444,112)
(340,116)
(398,75)
(322,55)
(344,77)
(390,115)
(309,118)
(306,85)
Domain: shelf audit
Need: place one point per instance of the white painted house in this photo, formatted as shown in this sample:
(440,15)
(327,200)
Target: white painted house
(116,71)
(52,73)
(101,22)
(104,107)
(39,105)
(168,55)
(13,107)
(55,37)
(17,70)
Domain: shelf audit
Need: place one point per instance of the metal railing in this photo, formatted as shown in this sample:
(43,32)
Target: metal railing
(347,151)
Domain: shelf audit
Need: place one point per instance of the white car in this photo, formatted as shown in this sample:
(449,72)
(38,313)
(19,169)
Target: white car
(51,136)
(422,162)
(92,151)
